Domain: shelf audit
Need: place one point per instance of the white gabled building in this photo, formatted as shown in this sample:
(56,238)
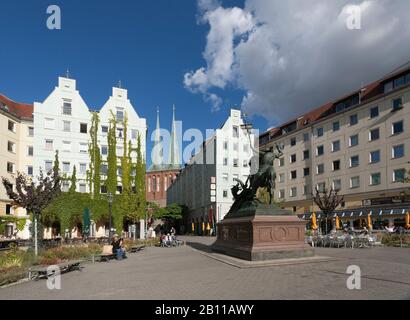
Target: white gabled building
(222,158)
(63,121)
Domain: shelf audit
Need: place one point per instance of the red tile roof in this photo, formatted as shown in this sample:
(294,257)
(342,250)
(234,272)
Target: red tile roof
(17,109)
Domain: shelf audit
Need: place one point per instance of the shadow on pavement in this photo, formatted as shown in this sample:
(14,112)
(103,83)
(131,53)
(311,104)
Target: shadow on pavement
(200,246)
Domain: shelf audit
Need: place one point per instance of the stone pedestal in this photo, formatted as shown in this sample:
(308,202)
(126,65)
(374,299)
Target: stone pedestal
(263,236)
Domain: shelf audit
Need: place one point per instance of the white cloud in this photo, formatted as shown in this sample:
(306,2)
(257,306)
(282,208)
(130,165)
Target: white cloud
(290,56)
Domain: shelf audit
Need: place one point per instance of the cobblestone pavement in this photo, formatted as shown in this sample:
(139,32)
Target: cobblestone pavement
(185,273)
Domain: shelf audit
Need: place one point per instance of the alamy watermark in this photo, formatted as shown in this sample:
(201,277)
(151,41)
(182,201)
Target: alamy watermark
(53,277)
(354,281)
(354,18)
(54,20)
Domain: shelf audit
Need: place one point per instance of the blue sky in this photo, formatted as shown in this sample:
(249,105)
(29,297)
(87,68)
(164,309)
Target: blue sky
(148,45)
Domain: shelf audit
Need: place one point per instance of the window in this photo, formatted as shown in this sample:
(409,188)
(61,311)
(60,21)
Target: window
(321,186)
(281,194)
(49,145)
(31,131)
(10,167)
(374,112)
(319,132)
(30,151)
(398,151)
(293,158)
(119,172)
(67,107)
(320,168)
(306,172)
(83,148)
(353,119)
(120,132)
(82,188)
(225,177)
(48,165)
(375,179)
(225,161)
(293,142)
(374,134)
(65,186)
(119,189)
(225,193)
(104,129)
(336,126)
(293,175)
(306,189)
(11,126)
(48,123)
(397,104)
(306,154)
(104,150)
(235,177)
(66,167)
(281,177)
(235,131)
(225,145)
(104,169)
(83,168)
(120,115)
(293,192)
(336,146)
(354,140)
(397,127)
(245,163)
(336,165)
(281,162)
(306,137)
(83,128)
(11,146)
(235,163)
(355,182)
(30,170)
(320,150)
(235,146)
(399,175)
(66,126)
(388,87)
(375,156)
(354,161)
(134,134)
(245,148)
(337,185)
(66,146)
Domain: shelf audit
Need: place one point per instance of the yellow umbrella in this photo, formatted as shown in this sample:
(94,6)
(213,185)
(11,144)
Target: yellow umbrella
(337,223)
(369,221)
(314,221)
(203,226)
(407,219)
(193,227)
(208,227)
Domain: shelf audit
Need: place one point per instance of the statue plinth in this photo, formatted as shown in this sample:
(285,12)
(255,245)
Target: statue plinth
(265,232)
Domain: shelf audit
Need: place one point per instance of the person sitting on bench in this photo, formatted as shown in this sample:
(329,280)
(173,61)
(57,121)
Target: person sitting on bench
(117,247)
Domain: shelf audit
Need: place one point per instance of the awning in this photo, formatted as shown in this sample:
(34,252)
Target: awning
(359,213)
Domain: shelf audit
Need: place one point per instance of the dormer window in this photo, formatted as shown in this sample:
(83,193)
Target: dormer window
(67,107)
(120,115)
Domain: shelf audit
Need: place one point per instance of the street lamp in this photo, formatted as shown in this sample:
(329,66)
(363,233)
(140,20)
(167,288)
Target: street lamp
(110,200)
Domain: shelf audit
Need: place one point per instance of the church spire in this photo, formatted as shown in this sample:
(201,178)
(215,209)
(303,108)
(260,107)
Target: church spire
(173,147)
(157,156)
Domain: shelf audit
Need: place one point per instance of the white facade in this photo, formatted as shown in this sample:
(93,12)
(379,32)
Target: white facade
(224,156)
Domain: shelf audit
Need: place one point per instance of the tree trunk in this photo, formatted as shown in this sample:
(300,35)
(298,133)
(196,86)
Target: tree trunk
(35,236)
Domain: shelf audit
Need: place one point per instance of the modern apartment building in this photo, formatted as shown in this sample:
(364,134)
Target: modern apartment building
(16,145)
(204,185)
(358,145)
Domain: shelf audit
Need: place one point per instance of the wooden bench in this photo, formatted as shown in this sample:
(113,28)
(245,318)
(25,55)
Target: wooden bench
(38,272)
(137,248)
(106,254)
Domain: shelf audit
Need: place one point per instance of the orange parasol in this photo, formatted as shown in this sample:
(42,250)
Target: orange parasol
(407,219)
(337,223)
(369,221)
(314,221)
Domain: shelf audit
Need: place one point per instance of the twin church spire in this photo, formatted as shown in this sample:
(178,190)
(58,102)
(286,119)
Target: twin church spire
(173,162)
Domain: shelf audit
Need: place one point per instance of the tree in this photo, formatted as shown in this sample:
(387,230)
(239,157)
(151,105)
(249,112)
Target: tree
(111,182)
(94,172)
(327,201)
(34,197)
(73,185)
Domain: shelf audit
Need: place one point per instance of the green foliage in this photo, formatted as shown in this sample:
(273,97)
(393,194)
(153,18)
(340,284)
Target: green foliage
(94,172)
(111,182)
(73,180)
(20,222)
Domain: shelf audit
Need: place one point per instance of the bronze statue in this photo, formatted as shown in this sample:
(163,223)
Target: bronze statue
(261,177)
